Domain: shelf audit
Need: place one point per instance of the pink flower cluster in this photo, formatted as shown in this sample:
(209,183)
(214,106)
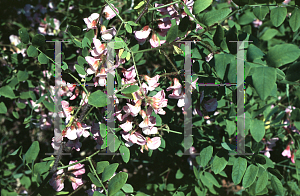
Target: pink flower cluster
(164,24)
(74,174)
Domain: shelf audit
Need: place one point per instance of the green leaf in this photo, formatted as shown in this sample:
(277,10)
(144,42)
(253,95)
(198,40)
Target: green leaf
(130,89)
(90,35)
(277,186)
(16,114)
(32,152)
(253,52)
(230,127)
(292,73)
(260,12)
(24,35)
(179,174)
(173,32)
(116,183)
(261,182)
(32,51)
(3,109)
(22,76)
(183,26)
(215,16)
(278,15)
(219,164)
(257,129)
(109,171)
(250,176)
(25,181)
(127,188)
(38,40)
(42,58)
(212,179)
(103,130)
(94,180)
(98,99)
(205,155)
(86,43)
(49,106)
(6,91)
(269,34)
(238,170)
(119,43)
(221,63)
(282,54)
(128,28)
(125,153)
(74,30)
(80,69)
(219,36)
(201,5)
(101,165)
(294,20)
(81,61)
(264,79)
(132,23)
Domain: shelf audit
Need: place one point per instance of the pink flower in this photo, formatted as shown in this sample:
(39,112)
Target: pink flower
(164,23)
(148,123)
(287,152)
(107,34)
(74,144)
(77,171)
(155,41)
(135,109)
(67,110)
(158,101)
(142,35)
(99,48)
(257,23)
(153,143)
(129,76)
(57,182)
(91,191)
(109,13)
(94,64)
(269,145)
(126,126)
(152,82)
(92,21)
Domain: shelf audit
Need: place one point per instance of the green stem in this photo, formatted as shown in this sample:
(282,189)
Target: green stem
(156,8)
(114,11)
(94,171)
(168,130)
(83,160)
(83,86)
(119,29)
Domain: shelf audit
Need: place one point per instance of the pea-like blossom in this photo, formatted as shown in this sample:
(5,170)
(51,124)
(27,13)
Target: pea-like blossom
(109,13)
(58,178)
(142,35)
(92,21)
